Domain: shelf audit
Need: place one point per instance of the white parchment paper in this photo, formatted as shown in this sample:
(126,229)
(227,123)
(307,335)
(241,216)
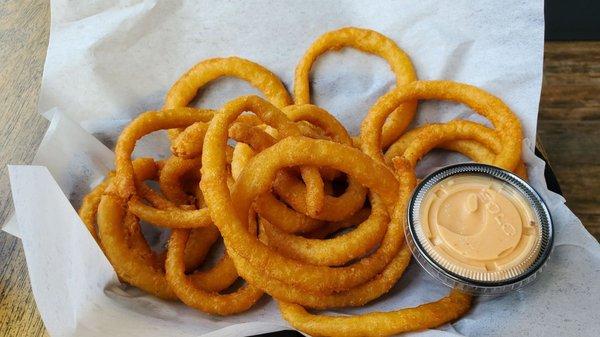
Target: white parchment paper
(110,60)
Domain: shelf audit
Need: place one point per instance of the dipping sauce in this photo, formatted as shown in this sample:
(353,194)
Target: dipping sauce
(479,227)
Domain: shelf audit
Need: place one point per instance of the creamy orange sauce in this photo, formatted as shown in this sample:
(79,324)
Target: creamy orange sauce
(479,227)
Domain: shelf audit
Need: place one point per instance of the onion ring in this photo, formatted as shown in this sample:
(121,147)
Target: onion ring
(170,178)
(506,123)
(124,182)
(288,220)
(367,41)
(145,168)
(331,227)
(186,87)
(473,140)
(126,248)
(130,265)
(188,144)
(206,301)
(89,207)
(289,188)
(242,153)
(144,124)
(422,317)
(331,252)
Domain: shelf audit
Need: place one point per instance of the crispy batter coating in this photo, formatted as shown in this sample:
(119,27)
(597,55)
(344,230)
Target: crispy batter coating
(371,42)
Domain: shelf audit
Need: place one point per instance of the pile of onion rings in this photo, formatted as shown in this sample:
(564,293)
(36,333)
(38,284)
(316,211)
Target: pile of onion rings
(307,213)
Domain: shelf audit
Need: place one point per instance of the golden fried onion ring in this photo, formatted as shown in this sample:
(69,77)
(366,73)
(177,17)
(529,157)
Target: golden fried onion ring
(471,139)
(506,124)
(170,177)
(425,316)
(331,252)
(186,290)
(188,85)
(124,182)
(367,41)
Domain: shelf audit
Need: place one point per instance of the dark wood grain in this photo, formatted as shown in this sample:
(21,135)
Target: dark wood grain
(569,128)
(569,124)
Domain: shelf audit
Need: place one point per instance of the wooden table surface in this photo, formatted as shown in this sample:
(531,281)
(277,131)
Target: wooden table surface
(569,128)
